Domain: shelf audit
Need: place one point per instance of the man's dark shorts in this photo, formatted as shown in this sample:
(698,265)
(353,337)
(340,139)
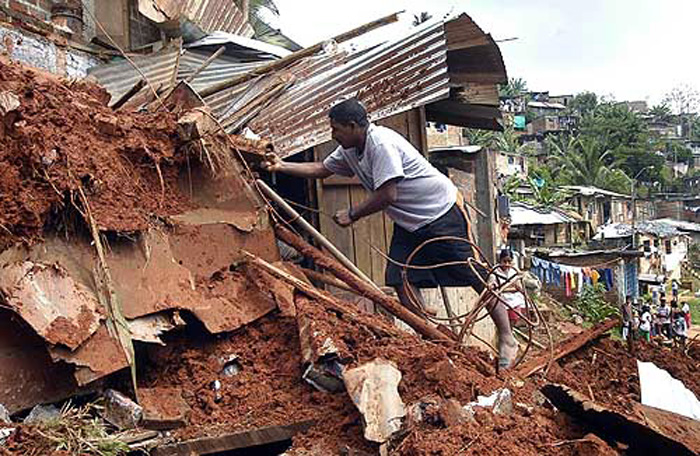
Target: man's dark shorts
(404,242)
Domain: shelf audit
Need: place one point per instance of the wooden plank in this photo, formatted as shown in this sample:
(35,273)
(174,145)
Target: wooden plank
(567,347)
(228,442)
(334,199)
(378,239)
(361,234)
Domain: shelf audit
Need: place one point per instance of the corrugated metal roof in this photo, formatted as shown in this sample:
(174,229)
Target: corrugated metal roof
(593,191)
(118,77)
(289,106)
(389,79)
(680,224)
(524,215)
(658,228)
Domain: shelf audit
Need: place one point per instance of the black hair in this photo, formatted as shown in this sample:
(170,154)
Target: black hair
(348,111)
(505,253)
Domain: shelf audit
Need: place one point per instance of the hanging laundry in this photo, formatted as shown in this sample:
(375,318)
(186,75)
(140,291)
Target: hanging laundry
(595,276)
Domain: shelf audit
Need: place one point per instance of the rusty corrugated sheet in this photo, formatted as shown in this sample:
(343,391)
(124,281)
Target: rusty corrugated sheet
(391,78)
(117,78)
(197,18)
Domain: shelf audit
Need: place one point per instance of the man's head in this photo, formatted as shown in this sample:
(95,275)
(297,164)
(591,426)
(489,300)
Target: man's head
(628,299)
(349,123)
(505,258)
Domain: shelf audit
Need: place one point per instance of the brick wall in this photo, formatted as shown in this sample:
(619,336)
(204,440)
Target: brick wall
(38,9)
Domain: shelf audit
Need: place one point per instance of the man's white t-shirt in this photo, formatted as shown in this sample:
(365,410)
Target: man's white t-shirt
(424,194)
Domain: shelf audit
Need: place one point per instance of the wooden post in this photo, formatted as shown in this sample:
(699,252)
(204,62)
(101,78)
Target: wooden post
(567,347)
(364,289)
(314,233)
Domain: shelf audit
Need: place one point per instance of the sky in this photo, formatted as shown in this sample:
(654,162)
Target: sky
(624,49)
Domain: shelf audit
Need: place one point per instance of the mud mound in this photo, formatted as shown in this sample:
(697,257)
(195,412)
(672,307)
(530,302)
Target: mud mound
(268,388)
(613,377)
(62,138)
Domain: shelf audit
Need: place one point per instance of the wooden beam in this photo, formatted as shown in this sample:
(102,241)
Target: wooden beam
(312,231)
(567,347)
(136,88)
(392,305)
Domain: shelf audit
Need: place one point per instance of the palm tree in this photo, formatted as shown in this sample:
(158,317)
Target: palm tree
(661,113)
(585,162)
(516,87)
(476,137)
(508,141)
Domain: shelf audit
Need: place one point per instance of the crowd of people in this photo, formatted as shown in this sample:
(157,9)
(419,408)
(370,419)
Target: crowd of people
(656,319)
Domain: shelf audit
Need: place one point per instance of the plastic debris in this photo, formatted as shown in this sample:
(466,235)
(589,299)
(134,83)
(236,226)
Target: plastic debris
(4,415)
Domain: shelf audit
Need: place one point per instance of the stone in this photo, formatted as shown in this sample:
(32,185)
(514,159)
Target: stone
(122,411)
(42,414)
(163,408)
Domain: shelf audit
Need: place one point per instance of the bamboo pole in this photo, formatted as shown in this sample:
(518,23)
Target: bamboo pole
(306,52)
(363,288)
(206,64)
(314,233)
(417,323)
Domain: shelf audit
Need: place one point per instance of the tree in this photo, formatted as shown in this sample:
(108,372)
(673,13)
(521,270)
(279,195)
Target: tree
(259,14)
(584,103)
(509,141)
(684,100)
(626,136)
(516,87)
(584,162)
(477,137)
(661,113)
(418,19)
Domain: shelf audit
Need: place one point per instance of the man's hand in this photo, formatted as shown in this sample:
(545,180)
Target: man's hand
(272,163)
(342,218)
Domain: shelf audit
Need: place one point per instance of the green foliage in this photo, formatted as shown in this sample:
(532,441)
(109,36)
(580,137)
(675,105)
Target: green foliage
(509,141)
(661,113)
(516,87)
(483,138)
(626,136)
(593,305)
(584,103)
(583,161)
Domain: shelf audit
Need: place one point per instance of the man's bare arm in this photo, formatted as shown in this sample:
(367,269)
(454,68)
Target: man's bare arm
(314,170)
(378,200)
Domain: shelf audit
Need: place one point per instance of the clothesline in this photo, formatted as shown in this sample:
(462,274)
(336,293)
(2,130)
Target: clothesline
(571,278)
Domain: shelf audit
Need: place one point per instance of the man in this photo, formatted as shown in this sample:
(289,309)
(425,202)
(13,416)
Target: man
(663,315)
(626,314)
(417,197)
